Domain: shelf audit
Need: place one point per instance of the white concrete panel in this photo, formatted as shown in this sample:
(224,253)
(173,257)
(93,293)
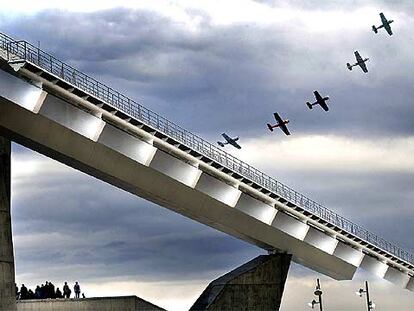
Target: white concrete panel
(321,240)
(256,208)
(218,189)
(175,168)
(71,117)
(410,285)
(290,225)
(126,144)
(348,254)
(21,93)
(397,277)
(374,266)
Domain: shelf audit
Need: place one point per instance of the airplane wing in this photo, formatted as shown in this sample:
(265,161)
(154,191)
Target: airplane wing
(234,144)
(363,67)
(324,105)
(284,128)
(388,29)
(358,57)
(386,24)
(278,118)
(318,96)
(227,137)
(383,19)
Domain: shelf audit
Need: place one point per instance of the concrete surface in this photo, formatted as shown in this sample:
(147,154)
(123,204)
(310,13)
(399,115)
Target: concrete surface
(125,303)
(7,285)
(256,285)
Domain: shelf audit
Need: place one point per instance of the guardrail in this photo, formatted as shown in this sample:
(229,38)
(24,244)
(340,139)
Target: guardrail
(22,50)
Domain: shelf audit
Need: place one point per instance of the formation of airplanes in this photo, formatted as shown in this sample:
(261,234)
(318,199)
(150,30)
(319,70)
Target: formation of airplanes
(321,101)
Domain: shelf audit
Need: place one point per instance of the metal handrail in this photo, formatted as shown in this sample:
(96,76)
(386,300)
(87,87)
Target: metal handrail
(23,50)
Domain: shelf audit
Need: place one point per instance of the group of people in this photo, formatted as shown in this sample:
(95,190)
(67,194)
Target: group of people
(47,291)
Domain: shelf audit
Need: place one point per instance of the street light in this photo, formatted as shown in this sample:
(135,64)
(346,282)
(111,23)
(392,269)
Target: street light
(361,291)
(317,293)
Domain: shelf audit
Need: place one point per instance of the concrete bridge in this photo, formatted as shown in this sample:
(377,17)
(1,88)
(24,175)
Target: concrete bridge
(54,109)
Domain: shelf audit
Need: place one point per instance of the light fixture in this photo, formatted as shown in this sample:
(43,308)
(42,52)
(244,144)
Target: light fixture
(313,303)
(370,304)
(317,293)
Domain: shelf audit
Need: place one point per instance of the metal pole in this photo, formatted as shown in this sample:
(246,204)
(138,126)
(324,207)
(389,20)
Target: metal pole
(367,292)
(320,294)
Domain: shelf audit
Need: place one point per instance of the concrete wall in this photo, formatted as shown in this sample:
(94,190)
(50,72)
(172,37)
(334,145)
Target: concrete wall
(7,288)
(127,303)
(256,285)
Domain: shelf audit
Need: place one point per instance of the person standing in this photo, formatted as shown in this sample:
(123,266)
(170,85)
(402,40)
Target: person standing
(23,292)
(77,290)
(66,290)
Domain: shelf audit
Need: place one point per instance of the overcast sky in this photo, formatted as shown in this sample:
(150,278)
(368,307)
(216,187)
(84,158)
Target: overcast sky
(214,66)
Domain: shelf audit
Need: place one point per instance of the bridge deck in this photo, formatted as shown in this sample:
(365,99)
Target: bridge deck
(41,66)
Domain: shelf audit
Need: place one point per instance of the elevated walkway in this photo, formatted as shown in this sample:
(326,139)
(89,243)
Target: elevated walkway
(52,108)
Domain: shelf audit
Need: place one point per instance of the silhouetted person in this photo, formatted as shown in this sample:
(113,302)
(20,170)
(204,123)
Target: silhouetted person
(58,293)
(23,292)
(38,292)
(42,291)
(16,291)
(77,290)
(46,290)
(83,295)
(51,290)
(30,294)
(66,290)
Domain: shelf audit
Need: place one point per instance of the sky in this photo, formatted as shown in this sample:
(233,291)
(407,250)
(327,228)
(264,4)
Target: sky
(213,67)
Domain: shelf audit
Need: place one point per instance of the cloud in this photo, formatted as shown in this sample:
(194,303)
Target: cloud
(234,76)
(213,71)
(332,153)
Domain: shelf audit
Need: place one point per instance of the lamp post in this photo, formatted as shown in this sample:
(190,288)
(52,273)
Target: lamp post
(317,293)
(370,304)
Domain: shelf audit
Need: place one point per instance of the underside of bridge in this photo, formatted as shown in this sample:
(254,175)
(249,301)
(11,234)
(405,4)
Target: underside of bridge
(7,285)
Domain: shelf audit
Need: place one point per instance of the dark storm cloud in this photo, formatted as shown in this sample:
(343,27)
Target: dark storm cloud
(232,77)
(66,219)
(213,78)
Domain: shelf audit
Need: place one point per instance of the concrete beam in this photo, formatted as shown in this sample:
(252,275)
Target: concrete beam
(374,266)
(218,190)
(71,117)
(176,168)
(348,254)
(397,277)
(126,144)
(410,285)
(256,208)
(290,225)
(321,240)
(7,282)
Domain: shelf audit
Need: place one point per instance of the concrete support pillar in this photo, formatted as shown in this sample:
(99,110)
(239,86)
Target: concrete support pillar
(7,285)
(256,285)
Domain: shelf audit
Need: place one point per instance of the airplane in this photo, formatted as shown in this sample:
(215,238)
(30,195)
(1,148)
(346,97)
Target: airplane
(280,124)
(385,24)
(321,101)
(229,141)
(360,62)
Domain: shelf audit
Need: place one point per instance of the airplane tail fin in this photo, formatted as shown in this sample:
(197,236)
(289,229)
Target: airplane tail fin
(220,144)
(269,127)
(349,66)
(309,105)
(374,29)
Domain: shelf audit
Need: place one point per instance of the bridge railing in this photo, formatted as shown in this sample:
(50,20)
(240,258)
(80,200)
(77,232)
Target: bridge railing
(22,50)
